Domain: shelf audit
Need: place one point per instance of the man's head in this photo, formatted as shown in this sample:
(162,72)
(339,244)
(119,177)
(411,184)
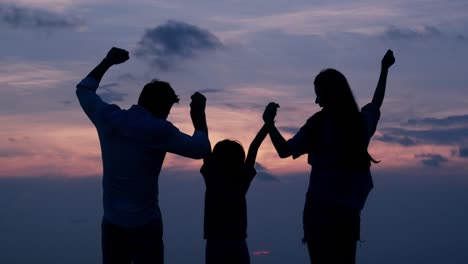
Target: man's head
(158,98)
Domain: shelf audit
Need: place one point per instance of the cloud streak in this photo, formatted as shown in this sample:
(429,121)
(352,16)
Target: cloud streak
(408,137)
(407,33)
(464,152)
(422,33)
(291,130)
(109,95)
(451,130)
(459,120)
(165,45)
(431,160)
(263,174)
(25,17)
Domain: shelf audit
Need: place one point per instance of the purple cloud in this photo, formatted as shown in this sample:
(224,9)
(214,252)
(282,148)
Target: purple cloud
(26,17)
(173,41)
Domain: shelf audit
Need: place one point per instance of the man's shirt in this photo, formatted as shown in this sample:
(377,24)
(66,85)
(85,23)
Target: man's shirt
(133,146)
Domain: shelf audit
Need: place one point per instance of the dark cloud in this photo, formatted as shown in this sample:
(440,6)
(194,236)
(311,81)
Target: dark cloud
(461,37)
(6,153)
(173,41)
(235,106)
(243,105)
(399,139)
(292,130)
(65,102)
(461,120)
(407,33)
(263,174)
(431,160)
(109,95)
(451,130)
(408,137)
(463,152)
(26,17)
(108,85)
(18,139)
(127,77)
(206,91)
(427,32)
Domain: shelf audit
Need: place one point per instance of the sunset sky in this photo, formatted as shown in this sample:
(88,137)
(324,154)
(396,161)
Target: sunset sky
(241,54)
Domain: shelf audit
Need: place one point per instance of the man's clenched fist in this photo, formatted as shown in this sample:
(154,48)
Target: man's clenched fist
(117,56)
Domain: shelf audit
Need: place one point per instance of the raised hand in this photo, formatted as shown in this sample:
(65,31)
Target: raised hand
(117,56)
(198,103)
(114,56)
(388,60)
(270,113)
(197,111)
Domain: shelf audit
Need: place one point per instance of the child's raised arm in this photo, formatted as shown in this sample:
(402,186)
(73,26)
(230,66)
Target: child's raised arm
(255,145)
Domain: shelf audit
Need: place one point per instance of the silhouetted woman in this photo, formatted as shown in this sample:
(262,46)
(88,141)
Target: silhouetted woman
(227,177)
(336,140)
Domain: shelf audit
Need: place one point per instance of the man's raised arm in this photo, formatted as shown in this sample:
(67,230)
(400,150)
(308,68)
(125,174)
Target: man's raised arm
(86,89)
(198,145)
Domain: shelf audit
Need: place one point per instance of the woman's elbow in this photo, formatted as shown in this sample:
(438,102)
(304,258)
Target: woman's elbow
(284,154)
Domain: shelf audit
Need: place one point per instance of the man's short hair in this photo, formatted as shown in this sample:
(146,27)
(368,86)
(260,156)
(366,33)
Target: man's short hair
(157,95)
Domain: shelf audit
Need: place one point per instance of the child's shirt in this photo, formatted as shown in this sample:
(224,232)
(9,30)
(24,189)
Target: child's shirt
(225,203)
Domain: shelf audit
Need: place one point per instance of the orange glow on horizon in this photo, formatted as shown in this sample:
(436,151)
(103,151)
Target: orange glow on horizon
(66,144)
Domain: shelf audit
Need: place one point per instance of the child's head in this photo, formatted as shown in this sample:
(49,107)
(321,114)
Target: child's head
(229,154)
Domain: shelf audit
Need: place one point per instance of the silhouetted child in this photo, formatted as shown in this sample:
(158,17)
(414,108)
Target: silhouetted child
(227,177)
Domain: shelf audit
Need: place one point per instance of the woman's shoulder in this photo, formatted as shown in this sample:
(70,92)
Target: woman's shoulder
(315,120)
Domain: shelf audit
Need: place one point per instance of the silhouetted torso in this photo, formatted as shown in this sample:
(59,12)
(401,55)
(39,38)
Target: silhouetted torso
(333,177)
(133,145)
(225,204)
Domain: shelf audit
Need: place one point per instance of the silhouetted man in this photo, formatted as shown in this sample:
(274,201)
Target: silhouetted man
(134,143)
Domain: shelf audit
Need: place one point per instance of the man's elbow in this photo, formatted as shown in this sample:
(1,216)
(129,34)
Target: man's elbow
(80,90)
(201,151)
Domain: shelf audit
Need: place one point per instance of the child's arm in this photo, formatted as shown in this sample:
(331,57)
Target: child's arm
(255,145)
(198,116)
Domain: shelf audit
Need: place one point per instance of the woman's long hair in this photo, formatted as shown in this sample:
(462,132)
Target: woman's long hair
(335,93)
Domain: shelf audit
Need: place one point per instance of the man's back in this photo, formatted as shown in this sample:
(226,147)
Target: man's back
(131,165)
(133,146)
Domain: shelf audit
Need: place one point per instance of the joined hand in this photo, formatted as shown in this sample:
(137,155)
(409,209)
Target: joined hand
(270,113)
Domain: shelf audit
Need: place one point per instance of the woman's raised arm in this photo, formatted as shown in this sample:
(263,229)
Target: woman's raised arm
(387,61)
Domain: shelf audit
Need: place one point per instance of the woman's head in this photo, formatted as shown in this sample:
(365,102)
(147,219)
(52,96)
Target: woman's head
(334,94)
(333,91)
(229,154)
